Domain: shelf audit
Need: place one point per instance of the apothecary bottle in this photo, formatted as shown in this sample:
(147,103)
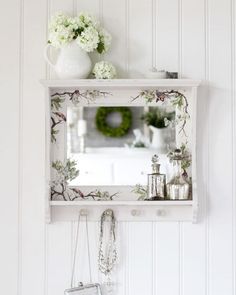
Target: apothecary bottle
(177,187)
(156,182)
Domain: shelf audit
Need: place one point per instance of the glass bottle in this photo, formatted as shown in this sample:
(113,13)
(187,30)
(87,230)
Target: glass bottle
(178,187)
(156,182)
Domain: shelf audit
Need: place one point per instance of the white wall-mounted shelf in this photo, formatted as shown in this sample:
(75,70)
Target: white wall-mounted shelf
(121,92)
(125,210)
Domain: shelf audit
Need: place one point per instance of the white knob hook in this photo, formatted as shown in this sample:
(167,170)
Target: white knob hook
(135,212)
(161,212)
(83,212)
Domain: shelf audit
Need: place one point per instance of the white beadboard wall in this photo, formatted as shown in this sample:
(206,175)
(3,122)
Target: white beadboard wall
(195,38)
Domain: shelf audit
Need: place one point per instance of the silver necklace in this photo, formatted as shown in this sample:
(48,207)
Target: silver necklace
(107,255)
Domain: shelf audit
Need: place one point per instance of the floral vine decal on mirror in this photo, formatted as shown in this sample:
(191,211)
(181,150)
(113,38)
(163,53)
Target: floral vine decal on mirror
(176,98)
(65,172)
(57,100)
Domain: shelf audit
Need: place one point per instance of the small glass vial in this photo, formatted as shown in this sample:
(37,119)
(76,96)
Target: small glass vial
(156,182)
(178,187)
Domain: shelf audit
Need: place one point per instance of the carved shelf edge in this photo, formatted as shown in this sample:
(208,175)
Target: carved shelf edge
(129,83)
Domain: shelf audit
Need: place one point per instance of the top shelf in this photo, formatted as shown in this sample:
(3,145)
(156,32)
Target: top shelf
(124,83)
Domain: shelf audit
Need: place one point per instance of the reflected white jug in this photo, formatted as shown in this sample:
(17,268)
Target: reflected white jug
(72,62)
(158,138)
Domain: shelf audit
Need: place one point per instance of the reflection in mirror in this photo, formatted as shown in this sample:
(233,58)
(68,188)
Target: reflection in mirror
(114,145)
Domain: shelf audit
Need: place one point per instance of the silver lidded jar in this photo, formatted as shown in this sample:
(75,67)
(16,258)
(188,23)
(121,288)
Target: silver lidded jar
(178,187)
(156,182)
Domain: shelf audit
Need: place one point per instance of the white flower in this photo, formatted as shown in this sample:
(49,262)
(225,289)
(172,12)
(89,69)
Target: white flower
(104,70)
(88,40)
(88,20)
(84,28)
(105,41)
(75,23)
(60,31)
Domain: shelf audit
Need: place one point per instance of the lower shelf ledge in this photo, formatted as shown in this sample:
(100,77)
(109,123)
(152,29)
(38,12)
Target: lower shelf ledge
(125,210)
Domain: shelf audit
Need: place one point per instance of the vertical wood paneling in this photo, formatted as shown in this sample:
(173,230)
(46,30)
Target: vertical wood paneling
(121,271)
(59,255)
(194,250)
(140,37)
(140,258)
(166,260)
(233,104)
(33,238)
(220,181)
(115,22)
(9,147)
(90,6)
(166,38)
(196,37)
(61,6)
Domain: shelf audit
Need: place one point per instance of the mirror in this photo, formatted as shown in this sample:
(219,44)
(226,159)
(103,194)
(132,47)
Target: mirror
(103,143)
(114,145)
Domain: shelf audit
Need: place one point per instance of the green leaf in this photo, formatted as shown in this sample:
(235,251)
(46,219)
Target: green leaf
(101,47)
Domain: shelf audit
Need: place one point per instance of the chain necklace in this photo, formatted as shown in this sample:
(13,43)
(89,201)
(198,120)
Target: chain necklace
(107,255)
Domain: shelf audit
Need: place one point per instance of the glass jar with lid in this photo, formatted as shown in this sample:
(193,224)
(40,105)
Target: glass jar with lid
(177,188)
(156,182)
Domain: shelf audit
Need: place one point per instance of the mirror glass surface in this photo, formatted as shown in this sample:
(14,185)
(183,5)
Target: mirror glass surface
(114,145)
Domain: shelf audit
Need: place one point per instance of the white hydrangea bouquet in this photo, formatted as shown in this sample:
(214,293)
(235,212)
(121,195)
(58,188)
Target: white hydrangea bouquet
(84,29)
(104,70)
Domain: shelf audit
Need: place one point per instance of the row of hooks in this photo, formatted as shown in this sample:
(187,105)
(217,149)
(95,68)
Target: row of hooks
(133,212)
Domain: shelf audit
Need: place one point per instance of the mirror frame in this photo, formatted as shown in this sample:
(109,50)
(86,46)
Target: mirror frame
(181,93)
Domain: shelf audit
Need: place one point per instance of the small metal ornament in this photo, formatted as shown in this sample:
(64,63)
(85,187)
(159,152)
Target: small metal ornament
(178,188)
(171,75)
(156,182)
(107,256)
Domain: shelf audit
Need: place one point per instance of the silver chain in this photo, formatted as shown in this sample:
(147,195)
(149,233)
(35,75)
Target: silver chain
(107,259)
(76,248)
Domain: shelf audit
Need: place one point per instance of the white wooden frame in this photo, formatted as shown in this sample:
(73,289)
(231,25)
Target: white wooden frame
(125,210)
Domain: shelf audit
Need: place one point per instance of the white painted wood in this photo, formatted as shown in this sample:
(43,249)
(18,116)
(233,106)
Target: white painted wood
(166,35)
(121,203)
(121,83)
(59,254)
(194,236)
(139,30)
(207,254)
(140,258)
(166,276)
(125,212)
(10,147)
(114,20)
(90,6)
(66,7)
(193,253)
(33,149)
(220,143)
(117,95)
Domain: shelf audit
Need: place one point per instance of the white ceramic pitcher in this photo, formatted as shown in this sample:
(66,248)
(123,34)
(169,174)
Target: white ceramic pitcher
(158,138)
(72,62)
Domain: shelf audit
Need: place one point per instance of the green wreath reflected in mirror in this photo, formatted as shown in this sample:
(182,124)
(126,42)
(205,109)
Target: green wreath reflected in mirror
(104,126)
